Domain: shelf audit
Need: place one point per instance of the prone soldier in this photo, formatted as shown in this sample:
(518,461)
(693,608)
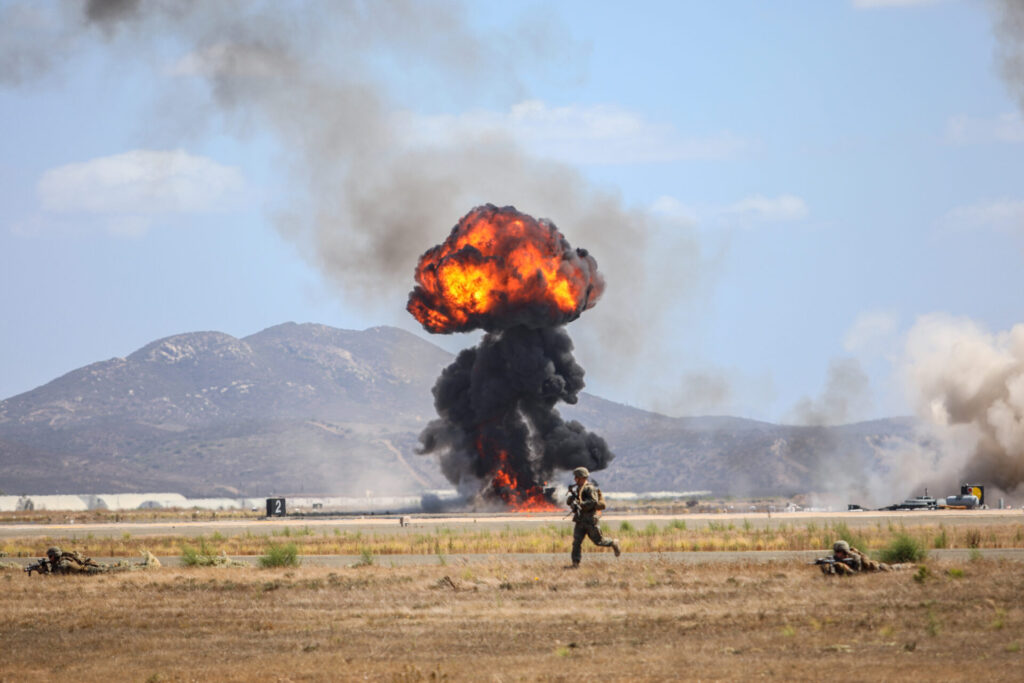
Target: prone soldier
(60,562)
(846,561)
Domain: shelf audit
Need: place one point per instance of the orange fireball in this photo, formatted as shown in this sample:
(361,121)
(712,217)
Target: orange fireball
(506,486)
(500,268)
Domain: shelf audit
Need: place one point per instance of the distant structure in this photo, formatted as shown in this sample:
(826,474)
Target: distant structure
(120,501)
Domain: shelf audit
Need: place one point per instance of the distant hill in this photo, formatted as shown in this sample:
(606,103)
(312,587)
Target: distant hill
(318,410)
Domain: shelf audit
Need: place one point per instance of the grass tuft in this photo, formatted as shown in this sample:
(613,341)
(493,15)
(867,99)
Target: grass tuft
(903,548)
(203,556)
(366,558)
(280,555)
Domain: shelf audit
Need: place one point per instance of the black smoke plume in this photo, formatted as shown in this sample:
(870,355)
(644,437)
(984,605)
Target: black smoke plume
(499,436)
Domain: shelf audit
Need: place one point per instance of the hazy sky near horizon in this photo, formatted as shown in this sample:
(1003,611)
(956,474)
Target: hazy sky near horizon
(796,183)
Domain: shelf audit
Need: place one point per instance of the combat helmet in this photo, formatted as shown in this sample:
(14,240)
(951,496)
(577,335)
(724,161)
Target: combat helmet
(581,472)
(841,546)
(53,551)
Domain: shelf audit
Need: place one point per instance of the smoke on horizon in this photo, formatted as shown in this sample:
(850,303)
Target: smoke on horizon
(960,376)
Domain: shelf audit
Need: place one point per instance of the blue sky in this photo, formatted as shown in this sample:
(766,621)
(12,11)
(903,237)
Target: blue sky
(784,188)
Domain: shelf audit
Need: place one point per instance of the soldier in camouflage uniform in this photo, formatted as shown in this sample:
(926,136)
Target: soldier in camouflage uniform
(851,561)
(583,501)
(72,563)
(59,562)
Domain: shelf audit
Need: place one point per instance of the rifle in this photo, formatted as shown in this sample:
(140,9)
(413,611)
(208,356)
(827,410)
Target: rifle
(573,501)
(41,566)
(831,561)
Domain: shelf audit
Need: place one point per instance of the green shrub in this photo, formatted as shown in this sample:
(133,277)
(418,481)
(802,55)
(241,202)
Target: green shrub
(625,527)
(679,524)
(366,558)
(203,556)
(842,531)
(903,548)
(941,541)
(280,555)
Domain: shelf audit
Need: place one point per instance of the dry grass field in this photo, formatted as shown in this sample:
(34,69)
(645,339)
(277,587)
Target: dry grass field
(637,536)
(623,619)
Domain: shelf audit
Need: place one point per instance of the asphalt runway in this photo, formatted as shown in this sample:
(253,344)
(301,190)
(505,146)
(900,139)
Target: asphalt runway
(423,523)
(788,558)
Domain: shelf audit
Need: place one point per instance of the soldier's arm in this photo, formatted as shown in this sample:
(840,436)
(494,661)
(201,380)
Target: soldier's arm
(856,561)
(588,501)
(843,569)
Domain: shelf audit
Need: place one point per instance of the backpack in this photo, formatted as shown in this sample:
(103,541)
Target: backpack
(601,505)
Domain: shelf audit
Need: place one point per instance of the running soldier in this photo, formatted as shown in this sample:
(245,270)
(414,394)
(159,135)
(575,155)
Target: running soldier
(586,502)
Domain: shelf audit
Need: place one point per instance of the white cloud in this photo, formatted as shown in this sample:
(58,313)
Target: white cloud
(785,207)
(871,332)
(674,210)
(129,190)
(1003,214)
(748,211)
(965,130)
(871,4)
(600,134)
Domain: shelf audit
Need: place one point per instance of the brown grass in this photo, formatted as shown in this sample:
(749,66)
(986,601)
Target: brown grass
(550,538)
(503,620)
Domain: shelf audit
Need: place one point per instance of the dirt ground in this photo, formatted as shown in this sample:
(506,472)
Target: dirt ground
(629,619)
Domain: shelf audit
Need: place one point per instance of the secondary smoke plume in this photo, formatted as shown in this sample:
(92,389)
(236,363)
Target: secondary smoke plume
(1009,30)
(333,87)
(846,392)
(498,433)
(960,375)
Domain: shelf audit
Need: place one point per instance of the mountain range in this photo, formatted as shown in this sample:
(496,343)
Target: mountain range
(311,409)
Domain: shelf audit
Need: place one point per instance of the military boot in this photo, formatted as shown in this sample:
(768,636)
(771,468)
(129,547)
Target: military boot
(616,548)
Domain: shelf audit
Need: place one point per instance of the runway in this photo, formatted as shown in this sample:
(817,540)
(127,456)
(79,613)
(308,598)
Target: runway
(791,558)
(420,523)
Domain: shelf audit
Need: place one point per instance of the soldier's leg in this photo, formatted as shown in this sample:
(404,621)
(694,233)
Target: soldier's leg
(594,531)
(578,532)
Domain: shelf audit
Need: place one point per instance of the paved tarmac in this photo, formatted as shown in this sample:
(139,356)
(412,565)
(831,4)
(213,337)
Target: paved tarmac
(781,557)
(420,523)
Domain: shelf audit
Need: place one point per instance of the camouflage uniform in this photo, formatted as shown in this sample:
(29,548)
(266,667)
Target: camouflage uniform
(72,563)
(584,501)
(59,562)
(854,561)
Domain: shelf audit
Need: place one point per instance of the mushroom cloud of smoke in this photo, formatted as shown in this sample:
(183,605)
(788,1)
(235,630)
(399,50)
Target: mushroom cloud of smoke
(498,432)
